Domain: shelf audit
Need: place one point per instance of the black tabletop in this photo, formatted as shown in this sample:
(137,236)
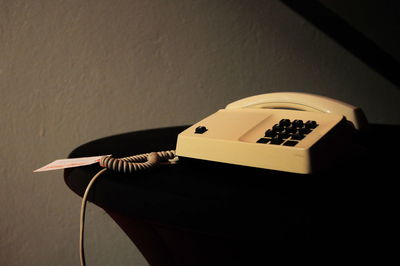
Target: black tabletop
(239,201)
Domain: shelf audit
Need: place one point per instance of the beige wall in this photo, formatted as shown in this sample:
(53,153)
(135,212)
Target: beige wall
(75,70)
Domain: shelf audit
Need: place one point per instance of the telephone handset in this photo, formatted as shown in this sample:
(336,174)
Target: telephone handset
(293,132)
(303,102)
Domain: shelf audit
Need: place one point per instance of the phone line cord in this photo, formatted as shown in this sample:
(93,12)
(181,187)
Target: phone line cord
(129,164)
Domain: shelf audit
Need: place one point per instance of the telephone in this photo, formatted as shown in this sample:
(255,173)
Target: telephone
(292,132)
(285,131)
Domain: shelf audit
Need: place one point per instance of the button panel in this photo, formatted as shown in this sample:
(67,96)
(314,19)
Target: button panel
(288,133)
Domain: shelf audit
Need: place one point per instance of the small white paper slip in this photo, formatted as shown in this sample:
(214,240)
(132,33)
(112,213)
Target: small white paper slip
(68,163)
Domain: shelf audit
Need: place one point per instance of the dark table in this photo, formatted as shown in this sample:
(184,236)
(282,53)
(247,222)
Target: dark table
(205,213)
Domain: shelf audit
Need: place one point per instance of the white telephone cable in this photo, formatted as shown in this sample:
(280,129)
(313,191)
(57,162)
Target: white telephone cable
(129,164)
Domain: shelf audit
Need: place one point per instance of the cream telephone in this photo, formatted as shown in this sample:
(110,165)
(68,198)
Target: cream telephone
(292,132)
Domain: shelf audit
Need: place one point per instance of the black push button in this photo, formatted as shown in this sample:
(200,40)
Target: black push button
(200,130)
(298,136)
(297,123)
(270,133)
(284,123)
(311,124)
(277,140)
(263,140)
(277,128)
(290,143)
(285,134)
(304,130)
(291,129)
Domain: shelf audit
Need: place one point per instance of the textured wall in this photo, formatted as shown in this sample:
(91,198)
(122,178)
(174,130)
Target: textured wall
(76,70)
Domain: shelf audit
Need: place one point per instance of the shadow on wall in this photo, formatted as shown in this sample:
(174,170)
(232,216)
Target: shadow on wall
(348,37)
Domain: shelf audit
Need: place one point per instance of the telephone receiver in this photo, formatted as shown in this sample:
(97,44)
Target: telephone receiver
(304,102)
(283,131)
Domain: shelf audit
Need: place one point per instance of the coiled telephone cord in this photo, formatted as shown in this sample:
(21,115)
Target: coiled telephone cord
(136,163)
(131,164)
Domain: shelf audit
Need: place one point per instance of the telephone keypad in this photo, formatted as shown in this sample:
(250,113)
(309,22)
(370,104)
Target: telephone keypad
(288,133)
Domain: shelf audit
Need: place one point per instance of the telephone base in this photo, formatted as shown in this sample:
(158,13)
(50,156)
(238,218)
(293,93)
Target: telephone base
(267,138)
